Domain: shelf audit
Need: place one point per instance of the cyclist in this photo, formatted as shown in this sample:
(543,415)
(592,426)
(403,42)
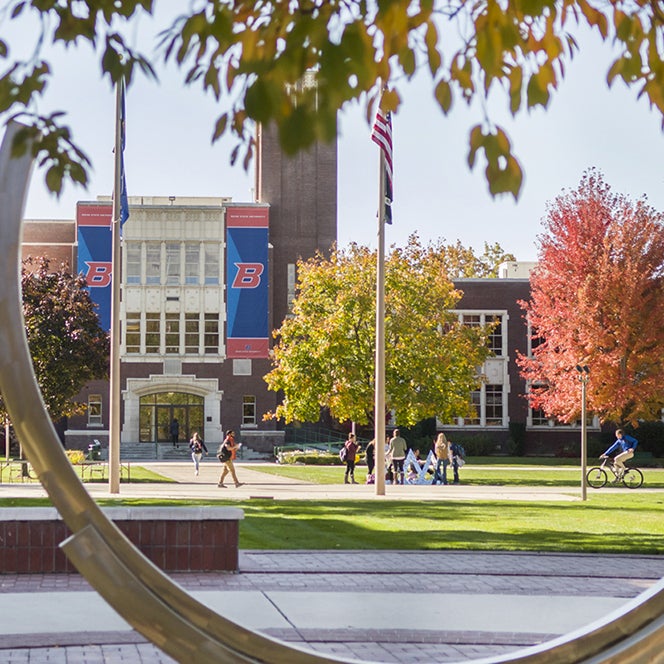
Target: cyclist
(625,446)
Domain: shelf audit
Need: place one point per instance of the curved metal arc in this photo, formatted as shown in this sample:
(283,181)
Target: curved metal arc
(154,605)
(140,592)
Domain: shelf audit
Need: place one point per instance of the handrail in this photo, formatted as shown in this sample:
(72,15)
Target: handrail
(138,590)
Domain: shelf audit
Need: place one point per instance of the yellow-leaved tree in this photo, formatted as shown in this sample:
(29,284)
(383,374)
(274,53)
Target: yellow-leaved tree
(324,357)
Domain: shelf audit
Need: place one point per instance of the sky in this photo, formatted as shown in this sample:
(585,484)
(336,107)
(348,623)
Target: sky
(436,195)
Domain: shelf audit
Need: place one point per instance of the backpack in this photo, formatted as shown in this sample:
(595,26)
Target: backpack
(223,453)
(343,454)
(458,450)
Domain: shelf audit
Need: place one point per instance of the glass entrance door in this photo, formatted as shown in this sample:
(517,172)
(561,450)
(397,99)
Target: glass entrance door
(158,410)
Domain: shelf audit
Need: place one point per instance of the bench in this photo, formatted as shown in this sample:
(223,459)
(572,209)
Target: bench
(176,539)
(18,470)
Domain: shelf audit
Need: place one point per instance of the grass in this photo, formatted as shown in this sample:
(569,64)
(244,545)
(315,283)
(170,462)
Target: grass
(473,473)
(605,523)
(626,522)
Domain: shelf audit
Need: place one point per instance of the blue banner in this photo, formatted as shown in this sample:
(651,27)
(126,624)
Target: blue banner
(247,334)
(95,255)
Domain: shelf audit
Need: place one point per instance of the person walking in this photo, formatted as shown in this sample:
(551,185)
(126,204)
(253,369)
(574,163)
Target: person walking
(397,451)
(370,456)
(198,449)
(443,457)
(174,430)
(352,448)
(458,459)
(225,455)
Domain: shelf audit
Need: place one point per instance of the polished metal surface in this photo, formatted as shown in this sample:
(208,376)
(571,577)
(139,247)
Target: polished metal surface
(142,594)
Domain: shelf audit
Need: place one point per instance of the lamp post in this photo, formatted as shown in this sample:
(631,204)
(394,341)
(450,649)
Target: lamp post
(584,374)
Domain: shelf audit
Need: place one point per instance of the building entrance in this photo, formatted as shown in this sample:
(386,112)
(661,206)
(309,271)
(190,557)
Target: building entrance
(158,410)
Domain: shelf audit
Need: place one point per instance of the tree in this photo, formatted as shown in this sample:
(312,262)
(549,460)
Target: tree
(253,57)
(461,262)
(325,353)
(597,299)
(67,344)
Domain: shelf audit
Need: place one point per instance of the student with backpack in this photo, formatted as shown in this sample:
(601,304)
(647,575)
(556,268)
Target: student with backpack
(458,459)
(225,455)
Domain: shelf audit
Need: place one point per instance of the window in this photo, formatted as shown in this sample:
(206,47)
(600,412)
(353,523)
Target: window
(496,334)
(133,333)
(471,320)
(133,262)
(173,263)
(172,333)
(290,293)
(152,332)
(211,338)
(494,405)
(191,334)
(476,398)
(211,263)
(192,262)
(94,410)
(248,409)
(538,418)
(152,263)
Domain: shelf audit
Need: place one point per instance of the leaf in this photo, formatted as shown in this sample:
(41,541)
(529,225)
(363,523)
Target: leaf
(54,180)
(443,94)
(476,141)
(220,127)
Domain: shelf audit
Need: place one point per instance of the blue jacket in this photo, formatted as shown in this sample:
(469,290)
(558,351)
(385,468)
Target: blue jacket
(622,445)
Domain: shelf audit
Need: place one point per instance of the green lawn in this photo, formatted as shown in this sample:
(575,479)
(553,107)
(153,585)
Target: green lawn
(604,523)
(472,473)
(624,522)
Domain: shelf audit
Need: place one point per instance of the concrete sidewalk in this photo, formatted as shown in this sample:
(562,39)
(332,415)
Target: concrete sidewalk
(384,606)
(258,484)
(387,606)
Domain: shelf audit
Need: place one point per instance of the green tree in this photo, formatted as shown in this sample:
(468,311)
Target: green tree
(461,262)
(67,344)
(597,299)
(253,56)
(325,354)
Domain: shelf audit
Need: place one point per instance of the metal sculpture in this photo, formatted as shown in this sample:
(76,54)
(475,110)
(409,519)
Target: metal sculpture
(141,593)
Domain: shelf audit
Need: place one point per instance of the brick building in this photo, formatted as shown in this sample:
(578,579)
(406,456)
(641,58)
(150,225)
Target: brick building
(181,356)
(192,300)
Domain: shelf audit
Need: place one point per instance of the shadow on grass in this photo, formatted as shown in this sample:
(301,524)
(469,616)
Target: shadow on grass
(476,526)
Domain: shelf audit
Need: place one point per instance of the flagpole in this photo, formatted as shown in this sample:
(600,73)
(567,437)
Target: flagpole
(379,411)
(114,370)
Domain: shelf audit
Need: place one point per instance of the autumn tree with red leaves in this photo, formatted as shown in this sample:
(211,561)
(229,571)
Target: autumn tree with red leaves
(597,299)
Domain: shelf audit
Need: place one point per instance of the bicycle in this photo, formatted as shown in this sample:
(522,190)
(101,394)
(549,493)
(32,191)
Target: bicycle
(597,477)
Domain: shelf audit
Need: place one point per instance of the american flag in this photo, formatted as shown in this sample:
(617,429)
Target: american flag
(381,134)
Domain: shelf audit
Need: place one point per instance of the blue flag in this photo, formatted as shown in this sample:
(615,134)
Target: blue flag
(124,203)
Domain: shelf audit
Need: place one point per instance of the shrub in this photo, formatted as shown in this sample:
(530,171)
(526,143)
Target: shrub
(310,458)
(75,456)
(475,445)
